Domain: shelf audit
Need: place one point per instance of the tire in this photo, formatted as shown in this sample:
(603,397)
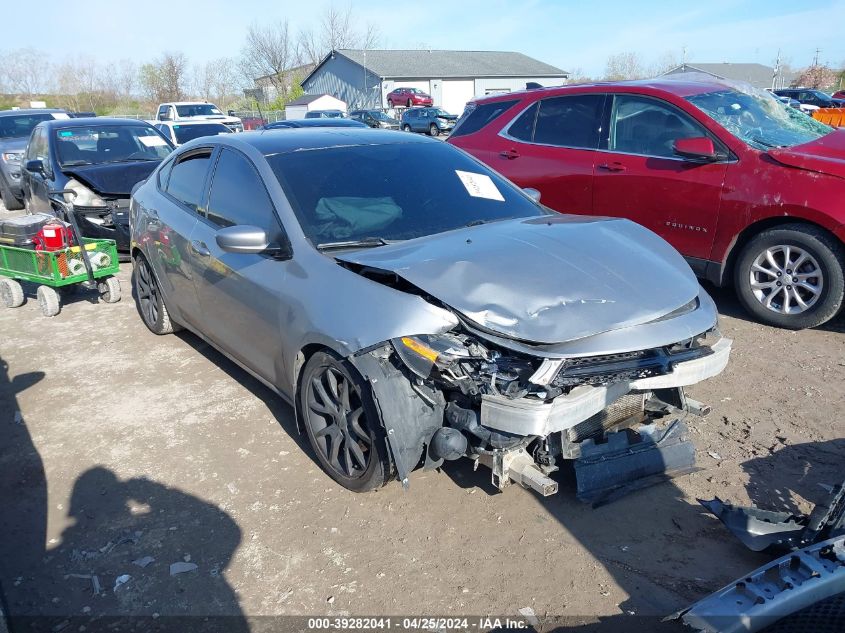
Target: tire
(10,201)
(109,289)
(390,103)
(340,419)
(775,292)
(433,130)
(149,299)
(406,128)
(49,301)
(408,103)
(11,293)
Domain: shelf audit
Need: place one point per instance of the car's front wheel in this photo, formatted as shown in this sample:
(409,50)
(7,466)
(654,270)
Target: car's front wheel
(11,202)
(342,423)
(409,103)
(433,130)
(406,128)
(791,276)
(150,300)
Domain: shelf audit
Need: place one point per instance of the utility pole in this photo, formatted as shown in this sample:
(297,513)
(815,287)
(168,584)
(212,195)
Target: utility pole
(776,72)
(816,58)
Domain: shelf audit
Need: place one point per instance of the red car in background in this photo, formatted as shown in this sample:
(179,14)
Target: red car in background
(750,191)
(839,94)
(408,97)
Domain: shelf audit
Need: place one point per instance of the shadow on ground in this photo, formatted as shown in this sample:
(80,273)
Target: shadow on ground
(115,556)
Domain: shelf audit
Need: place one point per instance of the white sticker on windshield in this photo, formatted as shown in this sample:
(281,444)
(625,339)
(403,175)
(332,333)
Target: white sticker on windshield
(152,141)
(479,185)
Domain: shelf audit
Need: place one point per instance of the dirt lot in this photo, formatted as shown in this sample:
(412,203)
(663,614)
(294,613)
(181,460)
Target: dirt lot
(118,445)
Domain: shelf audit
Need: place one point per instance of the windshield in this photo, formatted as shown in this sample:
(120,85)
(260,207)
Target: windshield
(381,116)
(20,126)
(759,120)
(385,191)
(185,133)
(198,109)
(440,112)
(96,144)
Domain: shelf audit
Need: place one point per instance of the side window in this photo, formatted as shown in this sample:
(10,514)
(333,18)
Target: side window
(164,174)
(648,127)
(571,121)
(523,127)
(238,195)
(187,179)
(478,117)
(163,113)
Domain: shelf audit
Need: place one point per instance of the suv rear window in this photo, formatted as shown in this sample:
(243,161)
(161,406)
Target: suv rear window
(480,116)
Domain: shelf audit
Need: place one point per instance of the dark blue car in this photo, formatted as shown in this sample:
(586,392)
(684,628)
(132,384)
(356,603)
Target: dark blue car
(101,160)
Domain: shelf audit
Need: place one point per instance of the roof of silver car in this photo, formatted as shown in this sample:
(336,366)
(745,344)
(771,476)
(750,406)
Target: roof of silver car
(295,139)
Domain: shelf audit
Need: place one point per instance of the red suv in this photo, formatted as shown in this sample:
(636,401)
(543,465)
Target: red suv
(750,191)
(408,97)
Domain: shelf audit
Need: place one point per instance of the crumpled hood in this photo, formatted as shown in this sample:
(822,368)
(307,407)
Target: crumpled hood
(544,280)
(113,179)
(825,155)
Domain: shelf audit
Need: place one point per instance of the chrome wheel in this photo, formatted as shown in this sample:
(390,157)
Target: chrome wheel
(786,279)
(335,416)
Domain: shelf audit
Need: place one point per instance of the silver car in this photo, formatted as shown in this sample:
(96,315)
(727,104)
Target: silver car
(415,307)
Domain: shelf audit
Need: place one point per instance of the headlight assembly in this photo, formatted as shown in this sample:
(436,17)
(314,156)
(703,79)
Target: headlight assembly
(424,352)
(84,196)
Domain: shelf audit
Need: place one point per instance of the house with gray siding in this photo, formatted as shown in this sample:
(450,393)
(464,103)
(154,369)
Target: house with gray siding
(363,78)
(758,75)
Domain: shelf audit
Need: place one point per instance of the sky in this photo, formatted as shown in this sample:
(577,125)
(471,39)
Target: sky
(574,36)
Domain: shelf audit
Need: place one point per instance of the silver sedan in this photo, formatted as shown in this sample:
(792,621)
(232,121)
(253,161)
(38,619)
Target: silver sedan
(415,307)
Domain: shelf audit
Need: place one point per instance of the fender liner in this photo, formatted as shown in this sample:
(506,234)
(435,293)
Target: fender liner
(409,420)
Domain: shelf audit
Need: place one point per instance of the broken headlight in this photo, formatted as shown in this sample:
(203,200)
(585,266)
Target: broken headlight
(84,196)
(422,353)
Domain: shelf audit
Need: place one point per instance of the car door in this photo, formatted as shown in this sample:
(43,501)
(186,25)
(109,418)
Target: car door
(241,308)
(183,182)
(36,185)
(550,146)
(638,176)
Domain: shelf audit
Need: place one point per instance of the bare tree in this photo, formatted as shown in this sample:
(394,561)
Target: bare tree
(578,76)
(125,78)
(623,66)
(269,52)
(216,80)
(164,79)
(337,30)
(665,62)
(27,71)
(83,84)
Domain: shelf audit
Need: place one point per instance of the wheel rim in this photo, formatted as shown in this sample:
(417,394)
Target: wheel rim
(786,279)
(434,130)
(147,294)
(337,420)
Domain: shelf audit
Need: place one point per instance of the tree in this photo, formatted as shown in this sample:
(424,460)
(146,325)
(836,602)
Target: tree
(816,77)
(665,62)
(337,30)
(215,80)
(623,66)
(125,78)
(26,70)
(269,52)
(164,79)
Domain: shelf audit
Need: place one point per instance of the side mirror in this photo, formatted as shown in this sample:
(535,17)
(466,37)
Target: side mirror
(698,148)
(246,239)
(532,193)
(34,166)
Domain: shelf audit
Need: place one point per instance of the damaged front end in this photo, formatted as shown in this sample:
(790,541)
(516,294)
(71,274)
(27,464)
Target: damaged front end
(619,416)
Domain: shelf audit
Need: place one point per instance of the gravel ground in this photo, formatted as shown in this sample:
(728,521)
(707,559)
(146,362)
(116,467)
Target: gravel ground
(120,445)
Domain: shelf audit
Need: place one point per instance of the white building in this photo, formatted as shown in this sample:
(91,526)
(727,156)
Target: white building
(298,108)
(363,78)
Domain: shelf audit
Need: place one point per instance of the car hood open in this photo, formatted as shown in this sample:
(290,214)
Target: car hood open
(113,179)
(544,280)
(825,155)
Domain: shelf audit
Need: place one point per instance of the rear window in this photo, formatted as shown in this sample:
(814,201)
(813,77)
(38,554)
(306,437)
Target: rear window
(478,117)
(21,126)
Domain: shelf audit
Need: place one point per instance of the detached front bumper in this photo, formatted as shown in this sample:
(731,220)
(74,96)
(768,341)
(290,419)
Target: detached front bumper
(531,417)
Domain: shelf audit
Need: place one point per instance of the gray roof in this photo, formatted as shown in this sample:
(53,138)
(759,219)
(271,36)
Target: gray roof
(305,99)
(411,64)
(757,75)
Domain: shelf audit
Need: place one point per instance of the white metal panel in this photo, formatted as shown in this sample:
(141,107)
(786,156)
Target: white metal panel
(295,112)
(456,93)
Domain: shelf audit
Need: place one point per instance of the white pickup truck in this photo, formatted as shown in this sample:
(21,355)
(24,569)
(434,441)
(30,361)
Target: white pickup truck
(197,111)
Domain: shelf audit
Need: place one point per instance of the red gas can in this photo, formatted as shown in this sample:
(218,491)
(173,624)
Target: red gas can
(54,236)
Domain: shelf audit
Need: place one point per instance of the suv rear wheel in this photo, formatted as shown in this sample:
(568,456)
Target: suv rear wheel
(791,276)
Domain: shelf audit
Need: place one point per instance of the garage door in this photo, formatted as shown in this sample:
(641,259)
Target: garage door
(456,93)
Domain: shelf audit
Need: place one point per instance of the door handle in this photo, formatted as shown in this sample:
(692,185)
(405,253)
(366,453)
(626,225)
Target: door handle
(200,248)
(614,166)
(510,154)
